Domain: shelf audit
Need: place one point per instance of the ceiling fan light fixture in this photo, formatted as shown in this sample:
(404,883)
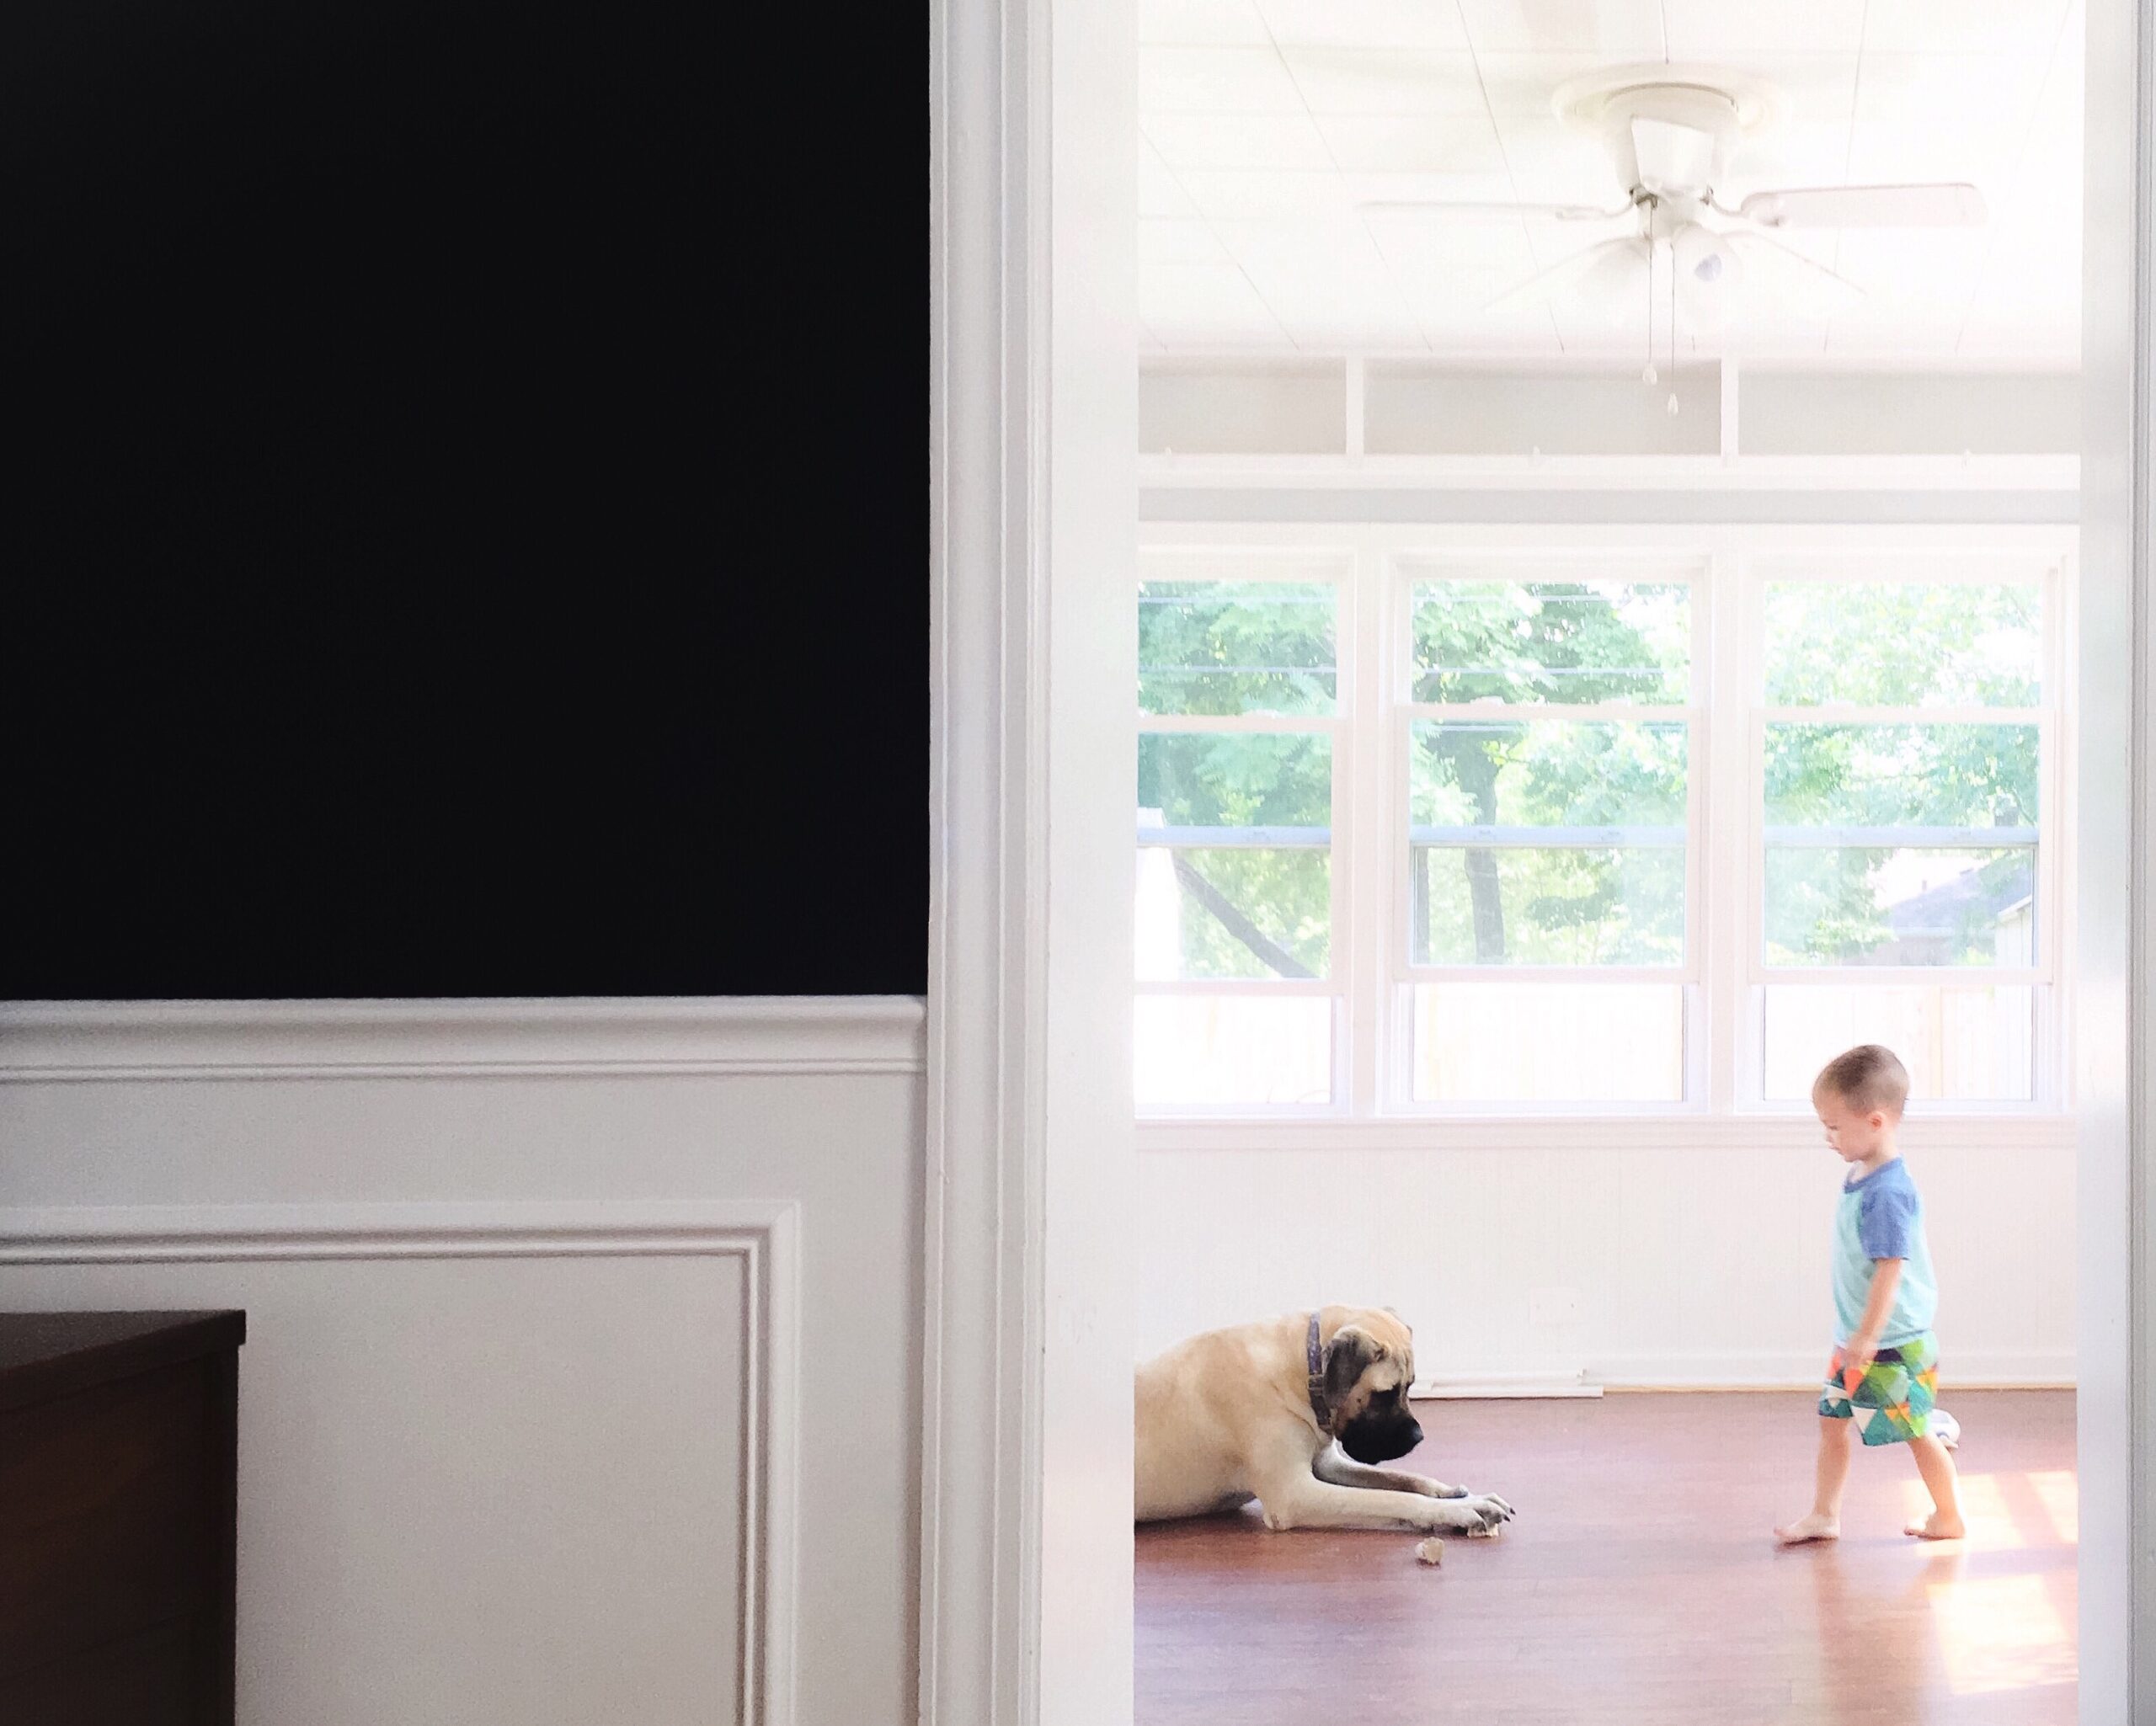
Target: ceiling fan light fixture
(1710,276)
(1706,262)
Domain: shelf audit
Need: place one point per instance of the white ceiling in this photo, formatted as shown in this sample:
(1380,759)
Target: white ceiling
(1268,122)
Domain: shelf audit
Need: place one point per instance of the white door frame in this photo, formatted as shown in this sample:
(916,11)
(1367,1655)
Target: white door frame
(1027,1346)
(1025,1574)
(2114,1006)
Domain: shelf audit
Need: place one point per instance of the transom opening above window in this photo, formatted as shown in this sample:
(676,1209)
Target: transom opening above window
(1534,827)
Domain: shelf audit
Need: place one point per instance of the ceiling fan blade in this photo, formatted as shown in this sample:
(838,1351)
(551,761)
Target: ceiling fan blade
(1602,261)
(1867,206)
(1808,288)
(1456,209)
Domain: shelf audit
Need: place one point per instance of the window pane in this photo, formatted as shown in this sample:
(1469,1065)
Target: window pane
(1223,647)
(1552,641)
(1521,906)
(1546,842)
(1903,644)
(1588,1042)
(1843,905)
(1235,862)
(1901,775)
(1237,780)
(1960,1044)
(1197,1051)
(1901,844)
(1548,773)
(1244,912)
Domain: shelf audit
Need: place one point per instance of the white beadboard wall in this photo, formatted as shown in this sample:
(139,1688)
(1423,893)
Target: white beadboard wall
(1691,1262)
(580,1384)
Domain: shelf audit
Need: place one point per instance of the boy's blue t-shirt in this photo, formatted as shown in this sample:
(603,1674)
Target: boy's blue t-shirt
(1880,1216)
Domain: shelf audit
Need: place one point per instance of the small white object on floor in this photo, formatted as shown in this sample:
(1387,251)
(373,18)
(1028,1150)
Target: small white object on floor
(1945,1427)
(1431,1551)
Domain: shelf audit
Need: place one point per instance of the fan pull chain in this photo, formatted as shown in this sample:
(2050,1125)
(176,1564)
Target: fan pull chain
(1650,376)
(1673,329)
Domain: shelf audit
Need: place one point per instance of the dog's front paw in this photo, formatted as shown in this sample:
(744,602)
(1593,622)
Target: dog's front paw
(1473,1516)
(1488,1512)
(1438,1489)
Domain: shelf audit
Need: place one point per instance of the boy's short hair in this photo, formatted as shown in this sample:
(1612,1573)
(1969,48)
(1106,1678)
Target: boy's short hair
(1867,1076)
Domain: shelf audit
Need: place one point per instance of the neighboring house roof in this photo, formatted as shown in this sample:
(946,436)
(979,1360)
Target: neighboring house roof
(1954,903)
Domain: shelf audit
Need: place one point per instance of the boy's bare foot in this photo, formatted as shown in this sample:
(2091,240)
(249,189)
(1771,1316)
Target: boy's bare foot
(1809,1528)
(1937,1527)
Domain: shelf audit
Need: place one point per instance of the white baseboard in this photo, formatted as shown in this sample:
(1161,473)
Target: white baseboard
(1764,1369)
(1776,1369)
(1467,1391)
(1489,1386)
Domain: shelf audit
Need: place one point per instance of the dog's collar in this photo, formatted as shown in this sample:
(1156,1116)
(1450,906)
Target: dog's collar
(1317,1377)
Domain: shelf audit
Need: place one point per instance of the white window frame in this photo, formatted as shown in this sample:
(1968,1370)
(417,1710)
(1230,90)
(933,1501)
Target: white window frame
(1724,973)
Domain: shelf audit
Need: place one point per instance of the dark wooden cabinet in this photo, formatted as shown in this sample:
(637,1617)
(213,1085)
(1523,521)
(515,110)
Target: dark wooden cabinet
(118,1475)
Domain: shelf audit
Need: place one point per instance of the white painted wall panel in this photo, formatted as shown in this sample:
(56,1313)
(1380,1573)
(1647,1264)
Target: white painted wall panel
(508,1490)
(1690,1266)
(475,1490)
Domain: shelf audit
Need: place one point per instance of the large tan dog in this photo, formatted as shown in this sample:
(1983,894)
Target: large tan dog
(1254,1412)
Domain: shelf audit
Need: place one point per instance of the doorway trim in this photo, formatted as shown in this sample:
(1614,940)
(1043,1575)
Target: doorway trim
(1026,1336)
(2117,1323)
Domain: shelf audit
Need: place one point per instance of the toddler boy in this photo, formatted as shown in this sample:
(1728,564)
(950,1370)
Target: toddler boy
(1882,1376)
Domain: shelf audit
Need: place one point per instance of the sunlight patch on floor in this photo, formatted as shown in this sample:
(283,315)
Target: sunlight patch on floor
(2001,1632)
(2059,1492)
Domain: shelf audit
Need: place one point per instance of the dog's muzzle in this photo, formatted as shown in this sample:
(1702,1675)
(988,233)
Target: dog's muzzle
(1374,1441)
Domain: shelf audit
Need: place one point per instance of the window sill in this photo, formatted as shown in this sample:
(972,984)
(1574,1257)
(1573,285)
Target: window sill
(2031,1130)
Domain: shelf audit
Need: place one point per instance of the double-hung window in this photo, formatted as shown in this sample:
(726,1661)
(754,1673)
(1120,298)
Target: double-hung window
(1906,754)
(1548,793)
(1577,822)
(1240,753)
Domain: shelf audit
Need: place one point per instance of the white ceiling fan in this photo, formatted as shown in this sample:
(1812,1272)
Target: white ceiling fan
(1669,132)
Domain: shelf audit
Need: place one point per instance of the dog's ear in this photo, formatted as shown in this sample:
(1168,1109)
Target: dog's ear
(1347,1357)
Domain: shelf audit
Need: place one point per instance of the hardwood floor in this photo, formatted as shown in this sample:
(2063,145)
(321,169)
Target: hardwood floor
(1639,1582)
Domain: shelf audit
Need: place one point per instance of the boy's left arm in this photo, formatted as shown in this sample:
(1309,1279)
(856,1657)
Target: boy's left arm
(1863,1340)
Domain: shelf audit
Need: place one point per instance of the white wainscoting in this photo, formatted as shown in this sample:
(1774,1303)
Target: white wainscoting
(1700,1262)
(580,1384)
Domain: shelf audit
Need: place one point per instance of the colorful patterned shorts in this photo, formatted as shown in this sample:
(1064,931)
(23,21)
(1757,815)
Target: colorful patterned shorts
(1891,1399)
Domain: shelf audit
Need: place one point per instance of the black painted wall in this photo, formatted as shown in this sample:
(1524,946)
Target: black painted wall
(466,527)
